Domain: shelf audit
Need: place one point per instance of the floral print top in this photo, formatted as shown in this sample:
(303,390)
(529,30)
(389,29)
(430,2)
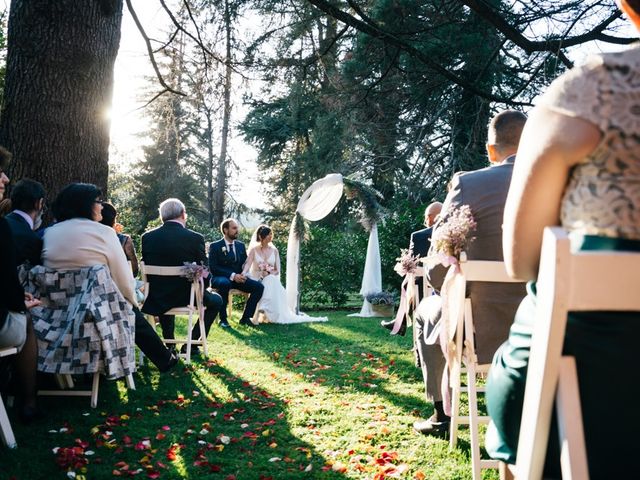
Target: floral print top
(603,193)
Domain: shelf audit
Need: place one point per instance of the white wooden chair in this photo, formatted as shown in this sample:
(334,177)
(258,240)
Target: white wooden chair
(465,356)
(6,432)
(233,292)
(565,283)
(194,308)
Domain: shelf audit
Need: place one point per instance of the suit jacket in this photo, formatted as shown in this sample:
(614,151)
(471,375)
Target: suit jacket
(493,304)
(28,243)
(11,293)
(169,246)
(223,263)
(420,243)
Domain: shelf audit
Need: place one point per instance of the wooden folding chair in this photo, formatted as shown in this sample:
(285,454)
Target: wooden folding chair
(565,283)
(194,308)
(465,356)
(232,292)
(66,388)
(6,432)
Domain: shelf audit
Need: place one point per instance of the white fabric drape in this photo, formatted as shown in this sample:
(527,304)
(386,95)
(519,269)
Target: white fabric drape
(316,203)
(372,276)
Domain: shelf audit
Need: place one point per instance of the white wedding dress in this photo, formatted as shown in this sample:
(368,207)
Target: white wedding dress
(273,303)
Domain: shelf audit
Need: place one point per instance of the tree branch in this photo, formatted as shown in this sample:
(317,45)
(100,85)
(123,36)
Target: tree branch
(377,32)
(150,52)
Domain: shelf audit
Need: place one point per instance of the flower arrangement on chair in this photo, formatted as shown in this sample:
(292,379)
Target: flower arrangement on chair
(194,272)
(406,263)
(452,237)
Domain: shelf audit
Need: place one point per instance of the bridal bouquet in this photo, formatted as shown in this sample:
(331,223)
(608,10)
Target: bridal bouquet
(265,269)
(194,272)
(452,236)
(406,263)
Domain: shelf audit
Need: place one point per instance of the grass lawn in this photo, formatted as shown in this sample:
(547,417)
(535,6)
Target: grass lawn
(331,400)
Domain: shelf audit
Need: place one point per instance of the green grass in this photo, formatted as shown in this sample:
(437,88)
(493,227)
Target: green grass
(314,401)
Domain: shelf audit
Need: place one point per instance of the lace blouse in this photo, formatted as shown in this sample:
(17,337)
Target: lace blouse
(602,196)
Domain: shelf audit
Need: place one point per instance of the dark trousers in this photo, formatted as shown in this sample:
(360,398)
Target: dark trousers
(213,304)
(252,287)
(150,343)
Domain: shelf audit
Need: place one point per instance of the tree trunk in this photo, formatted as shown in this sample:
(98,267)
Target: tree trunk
(222,161)
(58,89)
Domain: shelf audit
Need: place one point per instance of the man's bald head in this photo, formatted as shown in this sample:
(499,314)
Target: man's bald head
(431,212)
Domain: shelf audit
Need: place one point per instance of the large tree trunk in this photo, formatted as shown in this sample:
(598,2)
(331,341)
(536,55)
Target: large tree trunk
(58,89)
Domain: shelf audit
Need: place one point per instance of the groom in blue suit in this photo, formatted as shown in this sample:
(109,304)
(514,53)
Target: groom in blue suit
(226,259)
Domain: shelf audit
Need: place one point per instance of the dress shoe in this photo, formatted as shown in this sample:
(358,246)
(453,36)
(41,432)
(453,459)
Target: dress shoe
(173,361)
(29,415)
(388,324)
(246,322)
(224,324)
(195,351)
(430,427)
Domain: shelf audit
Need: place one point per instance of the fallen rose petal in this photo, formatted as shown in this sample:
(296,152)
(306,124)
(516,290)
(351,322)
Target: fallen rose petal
(275,459)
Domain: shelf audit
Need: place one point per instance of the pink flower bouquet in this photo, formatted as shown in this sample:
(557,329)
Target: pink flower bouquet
(265,269)
(406,263)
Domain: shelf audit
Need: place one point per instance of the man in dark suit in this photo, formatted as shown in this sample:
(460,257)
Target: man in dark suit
(226,259)
(27,202)
(493,304)
(419,245)
(173,244)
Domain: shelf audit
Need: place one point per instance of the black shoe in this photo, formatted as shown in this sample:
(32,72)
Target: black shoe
(173,361)
(224,324)
(389,326)
(29,415)
(433,427)
(195,351)
(246,322)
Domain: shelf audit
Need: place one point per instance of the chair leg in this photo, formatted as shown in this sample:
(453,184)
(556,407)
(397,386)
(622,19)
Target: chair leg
(505,472)
(5,428)
(229,306)
(94,390)
(130,383)
(455,414)
(473,421)
(187,358)
(203,335)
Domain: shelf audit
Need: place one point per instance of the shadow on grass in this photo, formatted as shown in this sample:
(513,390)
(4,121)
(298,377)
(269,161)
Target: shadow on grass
(358,352)
(200,420)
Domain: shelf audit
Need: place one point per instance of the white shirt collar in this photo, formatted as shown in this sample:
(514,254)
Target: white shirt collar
(26,216)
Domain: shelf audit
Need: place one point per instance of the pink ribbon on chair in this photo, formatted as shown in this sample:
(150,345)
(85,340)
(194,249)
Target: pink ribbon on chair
(453,295)
(406,299)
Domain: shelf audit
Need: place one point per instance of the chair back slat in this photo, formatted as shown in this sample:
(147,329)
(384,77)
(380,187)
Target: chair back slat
(486,271)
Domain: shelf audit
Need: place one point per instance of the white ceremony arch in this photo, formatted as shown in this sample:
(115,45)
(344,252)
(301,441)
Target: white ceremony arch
(316,203)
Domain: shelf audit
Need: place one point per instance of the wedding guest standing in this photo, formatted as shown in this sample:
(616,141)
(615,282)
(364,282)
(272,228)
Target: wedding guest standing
(578,166)
(172,245)
(226,260)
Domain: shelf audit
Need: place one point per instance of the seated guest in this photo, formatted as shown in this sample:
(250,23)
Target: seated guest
(419,245)
(78,240)
(173,244)
(493,304)
(16,329)
(578,166)
(27,201)
(226,260)
(109,215)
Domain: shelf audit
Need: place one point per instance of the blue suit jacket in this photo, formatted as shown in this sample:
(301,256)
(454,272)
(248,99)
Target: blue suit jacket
(223,263)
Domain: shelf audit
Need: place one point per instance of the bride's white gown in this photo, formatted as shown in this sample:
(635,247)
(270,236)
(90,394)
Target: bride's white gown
(274,298)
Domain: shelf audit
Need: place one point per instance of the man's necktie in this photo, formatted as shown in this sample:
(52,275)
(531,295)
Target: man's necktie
(232,250)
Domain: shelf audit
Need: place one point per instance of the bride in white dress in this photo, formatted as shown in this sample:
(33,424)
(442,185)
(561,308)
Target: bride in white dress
(263,264)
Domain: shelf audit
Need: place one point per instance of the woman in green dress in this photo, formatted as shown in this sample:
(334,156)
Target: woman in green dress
(578,165)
